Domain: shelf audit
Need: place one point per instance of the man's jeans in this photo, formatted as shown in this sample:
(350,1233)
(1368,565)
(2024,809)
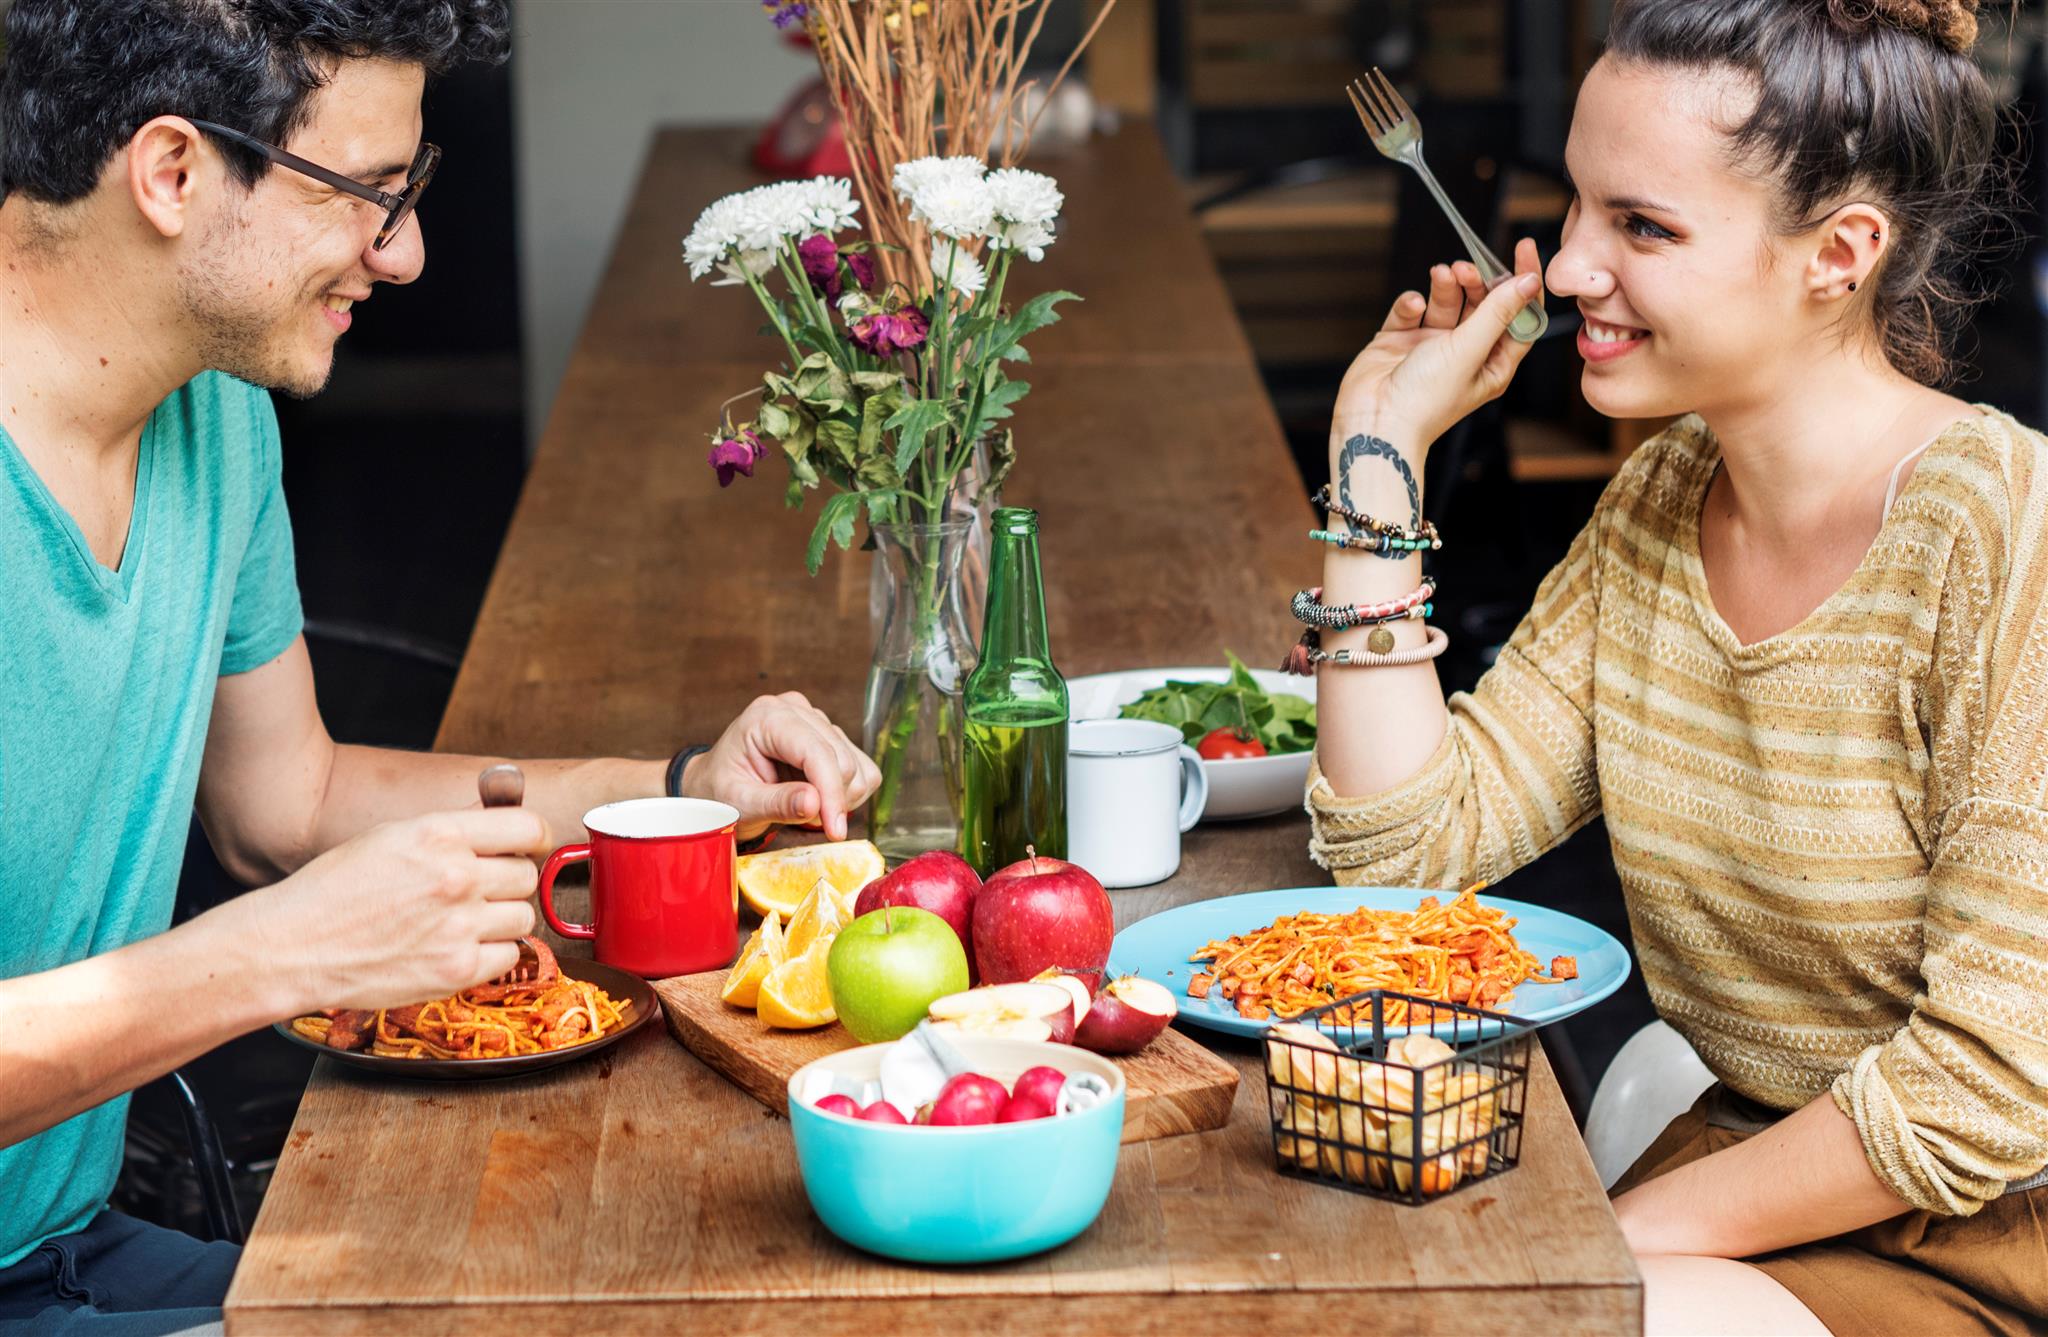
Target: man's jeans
(116,1278)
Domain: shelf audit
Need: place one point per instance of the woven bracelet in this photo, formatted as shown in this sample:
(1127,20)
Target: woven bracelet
(1311,611)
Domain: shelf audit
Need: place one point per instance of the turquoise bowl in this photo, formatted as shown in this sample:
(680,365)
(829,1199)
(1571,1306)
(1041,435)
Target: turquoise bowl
(960,1195)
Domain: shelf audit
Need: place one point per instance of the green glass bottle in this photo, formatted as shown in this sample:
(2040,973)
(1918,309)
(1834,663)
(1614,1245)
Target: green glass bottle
(1015,762)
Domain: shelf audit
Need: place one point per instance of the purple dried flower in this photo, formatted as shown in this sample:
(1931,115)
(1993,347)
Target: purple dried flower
(820,255)
(786,15)
(862,266)
(886,334)
(736,454)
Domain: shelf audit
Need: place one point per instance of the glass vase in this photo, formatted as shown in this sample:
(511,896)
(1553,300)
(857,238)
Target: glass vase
(924,650)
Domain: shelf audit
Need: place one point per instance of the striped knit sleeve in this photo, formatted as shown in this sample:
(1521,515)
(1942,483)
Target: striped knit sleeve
(1955,1105)
(1514,774)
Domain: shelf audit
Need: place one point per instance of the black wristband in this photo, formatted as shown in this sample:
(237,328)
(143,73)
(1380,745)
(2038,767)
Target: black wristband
(673,786)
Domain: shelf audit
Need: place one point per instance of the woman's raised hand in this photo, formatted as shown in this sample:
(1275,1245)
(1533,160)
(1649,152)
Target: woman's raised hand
(1438,358)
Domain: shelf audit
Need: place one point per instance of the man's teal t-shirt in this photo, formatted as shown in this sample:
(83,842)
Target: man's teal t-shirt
(106,686)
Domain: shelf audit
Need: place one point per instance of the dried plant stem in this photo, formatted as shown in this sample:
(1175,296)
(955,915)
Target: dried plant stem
(917,78)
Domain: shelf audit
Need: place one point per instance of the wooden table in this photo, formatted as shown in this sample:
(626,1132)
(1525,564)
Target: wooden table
(635,606)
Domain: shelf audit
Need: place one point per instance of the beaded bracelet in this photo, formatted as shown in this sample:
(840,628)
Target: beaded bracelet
(1327,501)
(1378,543)
(1303,660)
(1310,610)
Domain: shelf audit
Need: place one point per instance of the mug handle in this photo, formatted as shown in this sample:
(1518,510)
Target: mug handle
(557,861)
(1194,794)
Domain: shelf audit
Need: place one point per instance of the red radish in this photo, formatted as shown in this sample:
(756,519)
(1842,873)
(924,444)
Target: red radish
(969,1098)
(1041,1084)
(1128,1014)
(1042,914)
(1022,1108)
(883,1112)
(845,1105)
(937,880)
(1012,1011)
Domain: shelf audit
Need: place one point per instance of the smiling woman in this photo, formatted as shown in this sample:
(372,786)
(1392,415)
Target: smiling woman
(1790,660)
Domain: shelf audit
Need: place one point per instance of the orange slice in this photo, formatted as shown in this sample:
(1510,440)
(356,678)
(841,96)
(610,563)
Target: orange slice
(796,996)
(821,914)
(763,952)
(775,882)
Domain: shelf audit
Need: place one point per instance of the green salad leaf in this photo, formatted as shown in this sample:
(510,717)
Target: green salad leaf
(1281,721)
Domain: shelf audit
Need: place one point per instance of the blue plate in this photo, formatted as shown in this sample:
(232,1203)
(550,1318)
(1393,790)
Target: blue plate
(1158,948)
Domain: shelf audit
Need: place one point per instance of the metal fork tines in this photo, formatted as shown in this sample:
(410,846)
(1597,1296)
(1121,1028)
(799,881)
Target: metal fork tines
(1397,133)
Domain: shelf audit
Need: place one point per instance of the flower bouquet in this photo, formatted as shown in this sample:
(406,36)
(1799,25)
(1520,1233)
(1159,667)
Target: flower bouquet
(894,394)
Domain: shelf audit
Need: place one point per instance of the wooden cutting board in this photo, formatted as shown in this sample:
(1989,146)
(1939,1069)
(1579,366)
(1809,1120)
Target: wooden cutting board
(1175,1085)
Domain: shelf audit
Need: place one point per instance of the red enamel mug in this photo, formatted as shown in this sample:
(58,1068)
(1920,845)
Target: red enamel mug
(664,899)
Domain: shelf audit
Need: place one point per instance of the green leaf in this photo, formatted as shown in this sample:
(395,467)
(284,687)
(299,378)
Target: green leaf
(840,438)
(835,524)
(775,420)
(1034,315)
(875,382)
(912,424)
(1002,457)
(995,405)
(1282,721)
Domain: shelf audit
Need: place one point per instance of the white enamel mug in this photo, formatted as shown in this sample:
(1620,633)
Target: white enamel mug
(1132,788)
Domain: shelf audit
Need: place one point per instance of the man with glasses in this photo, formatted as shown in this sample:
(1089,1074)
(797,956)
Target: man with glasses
(196,192)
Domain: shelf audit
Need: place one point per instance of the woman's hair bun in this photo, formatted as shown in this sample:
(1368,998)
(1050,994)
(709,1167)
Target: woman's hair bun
(1949,23)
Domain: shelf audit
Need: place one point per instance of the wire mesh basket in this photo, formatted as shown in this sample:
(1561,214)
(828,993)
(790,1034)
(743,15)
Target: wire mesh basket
(1342,1083)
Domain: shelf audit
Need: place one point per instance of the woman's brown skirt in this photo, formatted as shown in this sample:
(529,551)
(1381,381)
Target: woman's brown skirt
(1914,1275)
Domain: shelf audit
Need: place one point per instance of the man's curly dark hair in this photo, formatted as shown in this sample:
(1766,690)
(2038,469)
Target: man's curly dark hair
(82,76)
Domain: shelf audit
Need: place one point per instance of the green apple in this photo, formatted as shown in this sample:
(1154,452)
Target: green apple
(887,966)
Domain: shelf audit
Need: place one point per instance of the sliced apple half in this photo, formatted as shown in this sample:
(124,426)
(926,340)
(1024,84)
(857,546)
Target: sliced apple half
(1013,1011)
(1073,984)
(1127,1015)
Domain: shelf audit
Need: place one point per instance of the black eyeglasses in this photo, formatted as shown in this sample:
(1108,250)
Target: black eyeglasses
(397,207)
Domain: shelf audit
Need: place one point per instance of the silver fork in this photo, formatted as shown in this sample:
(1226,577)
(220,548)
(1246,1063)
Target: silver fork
(1397,134)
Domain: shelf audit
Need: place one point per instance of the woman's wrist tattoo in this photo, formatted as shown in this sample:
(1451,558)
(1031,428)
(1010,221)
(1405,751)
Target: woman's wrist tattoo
(1365,447)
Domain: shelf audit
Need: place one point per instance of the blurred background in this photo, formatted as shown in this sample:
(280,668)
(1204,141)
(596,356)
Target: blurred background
(442,388)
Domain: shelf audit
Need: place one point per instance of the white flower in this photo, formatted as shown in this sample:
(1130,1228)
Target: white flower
(746,263)
(712,238)
(765,215)
(853,305)
(919,173)
(828,204)
(1025,197)
(967,276)
(1030,238)
(954,206)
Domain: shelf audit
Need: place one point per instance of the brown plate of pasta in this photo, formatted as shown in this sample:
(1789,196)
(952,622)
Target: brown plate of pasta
(550,1012)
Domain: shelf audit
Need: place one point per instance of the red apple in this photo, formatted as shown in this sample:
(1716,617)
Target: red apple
(937,880)
(1041,1084)
(1076,987)
(1128,1014)
(845,1105)
(1022,1108)
(1014,1011)
(1042,914)
(969,1098)
(883,1112)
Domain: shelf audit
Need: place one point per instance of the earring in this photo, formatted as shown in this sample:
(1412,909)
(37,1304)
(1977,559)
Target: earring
(1877,236)
(1852,285)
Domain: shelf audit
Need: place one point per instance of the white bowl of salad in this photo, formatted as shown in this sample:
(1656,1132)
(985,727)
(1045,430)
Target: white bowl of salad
(1255,729)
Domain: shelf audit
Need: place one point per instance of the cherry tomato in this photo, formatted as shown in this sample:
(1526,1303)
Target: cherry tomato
(1228,744)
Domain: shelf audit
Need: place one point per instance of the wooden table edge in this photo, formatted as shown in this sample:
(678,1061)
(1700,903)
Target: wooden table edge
(1592,1307)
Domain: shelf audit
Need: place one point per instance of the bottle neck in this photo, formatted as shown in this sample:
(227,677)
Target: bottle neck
(1015,624)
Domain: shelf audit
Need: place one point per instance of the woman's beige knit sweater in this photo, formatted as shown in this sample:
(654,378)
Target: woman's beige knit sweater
(1833,842)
